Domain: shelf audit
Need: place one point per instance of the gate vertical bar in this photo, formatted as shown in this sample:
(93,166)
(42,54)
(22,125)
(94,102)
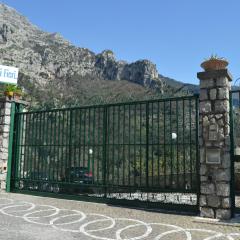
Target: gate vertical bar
(147,144)
(104,157)
(70,139)
(197,149)
(16,150)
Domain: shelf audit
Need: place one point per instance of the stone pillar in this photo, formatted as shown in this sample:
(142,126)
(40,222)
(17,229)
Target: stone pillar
(5,109)
(214,141)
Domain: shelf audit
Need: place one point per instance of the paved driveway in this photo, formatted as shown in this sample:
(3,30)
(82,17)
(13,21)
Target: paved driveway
(25,217)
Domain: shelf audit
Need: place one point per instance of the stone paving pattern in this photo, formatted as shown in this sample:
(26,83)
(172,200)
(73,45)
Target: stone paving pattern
(25,217)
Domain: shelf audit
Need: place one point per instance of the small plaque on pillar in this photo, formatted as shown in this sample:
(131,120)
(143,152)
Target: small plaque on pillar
(213,156)
(213,132)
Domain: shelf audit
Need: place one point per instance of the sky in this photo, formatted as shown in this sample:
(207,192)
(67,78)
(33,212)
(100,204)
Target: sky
(177,35)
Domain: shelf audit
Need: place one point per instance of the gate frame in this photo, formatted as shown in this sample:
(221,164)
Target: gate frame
(138,203)
(232,151)
(16,107)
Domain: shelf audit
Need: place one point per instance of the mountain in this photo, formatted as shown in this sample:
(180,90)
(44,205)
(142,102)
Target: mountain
(55,73)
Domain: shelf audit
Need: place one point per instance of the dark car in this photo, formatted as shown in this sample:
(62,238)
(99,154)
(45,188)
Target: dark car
(79,175)
(78,179)
(39,181)
(34,181)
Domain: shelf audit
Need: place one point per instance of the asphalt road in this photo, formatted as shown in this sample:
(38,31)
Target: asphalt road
(25,217)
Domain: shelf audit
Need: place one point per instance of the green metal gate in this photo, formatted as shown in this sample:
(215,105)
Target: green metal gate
(235,148)
(141,153)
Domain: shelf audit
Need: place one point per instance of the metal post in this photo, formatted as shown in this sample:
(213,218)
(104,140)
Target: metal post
(147,144)
(232,187)
(197,150)
(104,149)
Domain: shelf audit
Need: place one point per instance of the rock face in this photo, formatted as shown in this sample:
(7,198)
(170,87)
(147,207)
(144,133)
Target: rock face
(43,57)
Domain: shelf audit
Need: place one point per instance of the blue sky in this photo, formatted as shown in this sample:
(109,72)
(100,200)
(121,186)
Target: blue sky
(175,34)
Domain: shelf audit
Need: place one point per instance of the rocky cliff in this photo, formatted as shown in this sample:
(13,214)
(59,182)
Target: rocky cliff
(46,59)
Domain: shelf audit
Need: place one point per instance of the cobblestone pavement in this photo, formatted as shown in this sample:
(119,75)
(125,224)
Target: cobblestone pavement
(25,217)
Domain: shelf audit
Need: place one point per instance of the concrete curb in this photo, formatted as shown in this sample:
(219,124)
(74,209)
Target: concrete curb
(235,222)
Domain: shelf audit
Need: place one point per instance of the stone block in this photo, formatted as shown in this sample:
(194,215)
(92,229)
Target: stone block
(226,202)
(223,93)
(221,137)
(203,94)
(2,110)
(212,120)
(213,132)
(207,188)
(7,120)
(220,123)
(205,121)
(3,176)
(4,156)
(223,175)
(5,128)
(223,189)
(210,116)
(1,120)
(215,74)
(213,201)
(5,143)
(5,134)
(206,212)
(213,94)
(7,111)
(226,129)
(203,179)
(223,214)
(208,83)
(203,169)
(3,150)
(203,201)
(221,106)
(3,185)
(227,117)
(7,105)
(218,116)
(222,82)
(202,155)
(205,107)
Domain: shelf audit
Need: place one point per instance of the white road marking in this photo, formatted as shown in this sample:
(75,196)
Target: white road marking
(89,224)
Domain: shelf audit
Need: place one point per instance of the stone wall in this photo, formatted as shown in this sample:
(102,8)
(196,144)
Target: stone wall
(5,109)
(215,161)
